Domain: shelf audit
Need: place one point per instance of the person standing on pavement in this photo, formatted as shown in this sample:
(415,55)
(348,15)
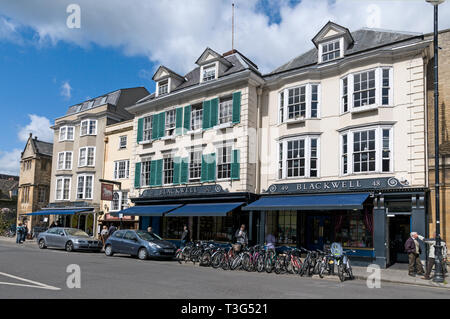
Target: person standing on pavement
(104,235)
(19,232)
(184,236)
(241,236)
(412,248)
(431,242)
(24,232)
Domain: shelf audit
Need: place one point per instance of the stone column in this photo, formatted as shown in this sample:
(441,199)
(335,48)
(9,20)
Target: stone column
(380,232)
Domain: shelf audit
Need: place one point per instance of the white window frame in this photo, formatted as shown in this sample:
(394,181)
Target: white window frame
(196,117)
(121,205)
(83,193)
(284,153)
(147,129)
(219,159)
(63,179)
(88,129)
(117,170)
(163,84)
(141,173)
(158,84)
(65,136)
(378,90)
(199,167)
(225,102)
(121,139)
(170,130)
(203,68)
(341,49)
(64,161)
(85,163)
(283,98)
(378,150)
(164,170)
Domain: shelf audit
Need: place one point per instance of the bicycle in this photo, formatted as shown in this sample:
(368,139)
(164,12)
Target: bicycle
(342,262)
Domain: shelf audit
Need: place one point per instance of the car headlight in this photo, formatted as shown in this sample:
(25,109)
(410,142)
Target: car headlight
(153,245)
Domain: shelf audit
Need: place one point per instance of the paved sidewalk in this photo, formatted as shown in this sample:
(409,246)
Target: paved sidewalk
(13,240)
(399,275)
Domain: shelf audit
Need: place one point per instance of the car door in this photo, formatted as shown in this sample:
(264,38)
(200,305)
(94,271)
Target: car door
(50,237)
(59,238)
(130,243)
(116,241)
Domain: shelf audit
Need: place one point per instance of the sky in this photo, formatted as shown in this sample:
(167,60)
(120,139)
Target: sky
(53,55)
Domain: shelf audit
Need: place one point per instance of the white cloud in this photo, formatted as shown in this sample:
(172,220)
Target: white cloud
(39,126)
(66,90)
(10,162)
(176,32)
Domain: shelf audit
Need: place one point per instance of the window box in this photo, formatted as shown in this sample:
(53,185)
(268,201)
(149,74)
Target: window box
(168,137)
(223,126)
(145,142)
(296,120)
(194,132)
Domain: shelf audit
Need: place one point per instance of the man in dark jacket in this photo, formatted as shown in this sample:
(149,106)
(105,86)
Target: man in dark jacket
(241,236)
(184,236)
(412,248)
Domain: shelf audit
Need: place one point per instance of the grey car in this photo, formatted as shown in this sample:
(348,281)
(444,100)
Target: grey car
(139,243)
(68,238)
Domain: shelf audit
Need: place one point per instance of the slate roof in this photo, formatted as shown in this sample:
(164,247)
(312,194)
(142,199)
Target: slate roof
(239,63)
(365,39)
(111,98)
(43,148)
(6,185)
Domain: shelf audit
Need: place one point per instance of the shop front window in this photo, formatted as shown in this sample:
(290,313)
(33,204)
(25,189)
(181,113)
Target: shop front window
(172,227)
(354,229)
(216,228)
(283,225)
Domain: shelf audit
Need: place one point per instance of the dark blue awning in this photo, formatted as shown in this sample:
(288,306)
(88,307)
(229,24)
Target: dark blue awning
(60,211)
(310,202)
(153,210)
(210,209)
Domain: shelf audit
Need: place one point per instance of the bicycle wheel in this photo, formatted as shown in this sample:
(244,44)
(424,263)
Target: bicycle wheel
(217,259)
(268,264)
(225,264)
(341,274)
(278,268)
(246,262)
(322,268)
(304,268)
(260,263)
(205,260)
(296,265)
(236,262)
(179,256)
(349,272)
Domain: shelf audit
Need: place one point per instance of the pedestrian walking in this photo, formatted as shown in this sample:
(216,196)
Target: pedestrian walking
(412,248)
(184,236)
(19,232)
(431,242)
(104,235)
(24,232)
(270,242)
(241,236)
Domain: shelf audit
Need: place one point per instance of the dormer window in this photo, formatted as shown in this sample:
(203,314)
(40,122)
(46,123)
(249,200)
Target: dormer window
(209,73)
(163,87)
(331,51)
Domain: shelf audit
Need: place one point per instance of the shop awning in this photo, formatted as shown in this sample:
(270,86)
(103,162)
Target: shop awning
(59,212)
(310,202)
(153,210)
(210,209)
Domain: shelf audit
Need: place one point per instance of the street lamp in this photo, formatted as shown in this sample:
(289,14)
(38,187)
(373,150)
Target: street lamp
(438,274)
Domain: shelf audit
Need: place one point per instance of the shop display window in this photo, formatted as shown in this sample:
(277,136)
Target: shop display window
(283,225)
(354,229)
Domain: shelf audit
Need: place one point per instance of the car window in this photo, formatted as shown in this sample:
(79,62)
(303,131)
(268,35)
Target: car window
(76,232)
(51,231)
(129,235)
(118,234)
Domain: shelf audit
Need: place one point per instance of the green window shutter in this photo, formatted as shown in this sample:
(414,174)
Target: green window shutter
(235,164)
(187,118)
(179,121)
(214,112)
(206,114)
(184,176)
(176,170)
(153,173)
(159,171)
(137,175)
(212,167)
(140,130)
(155,122)
(237,107)
(204,175)
(162,124)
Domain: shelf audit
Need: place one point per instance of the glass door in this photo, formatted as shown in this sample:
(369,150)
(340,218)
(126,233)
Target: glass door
(319,232)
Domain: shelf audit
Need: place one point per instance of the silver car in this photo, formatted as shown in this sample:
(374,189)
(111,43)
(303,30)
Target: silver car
(68,238)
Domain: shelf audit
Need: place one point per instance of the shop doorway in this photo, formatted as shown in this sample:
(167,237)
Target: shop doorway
(319,232)
(399,228)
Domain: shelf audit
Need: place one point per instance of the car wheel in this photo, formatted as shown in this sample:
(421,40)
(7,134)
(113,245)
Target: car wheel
(69,246)
(108,251)
(142,254)
(42,244)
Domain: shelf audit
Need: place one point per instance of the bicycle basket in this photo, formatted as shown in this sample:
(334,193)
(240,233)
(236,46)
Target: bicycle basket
(336,249)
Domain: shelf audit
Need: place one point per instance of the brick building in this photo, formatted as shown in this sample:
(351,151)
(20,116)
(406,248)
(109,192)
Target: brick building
(34,180)
(444,131)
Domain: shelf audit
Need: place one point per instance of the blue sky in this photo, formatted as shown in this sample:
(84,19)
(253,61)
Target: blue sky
(46,67)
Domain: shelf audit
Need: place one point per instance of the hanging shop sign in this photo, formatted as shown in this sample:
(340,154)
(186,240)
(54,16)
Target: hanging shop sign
(337,186)
(183,191)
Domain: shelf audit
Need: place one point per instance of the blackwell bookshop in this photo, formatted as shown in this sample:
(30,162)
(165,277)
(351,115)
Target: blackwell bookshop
(210,212)
(372,217)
